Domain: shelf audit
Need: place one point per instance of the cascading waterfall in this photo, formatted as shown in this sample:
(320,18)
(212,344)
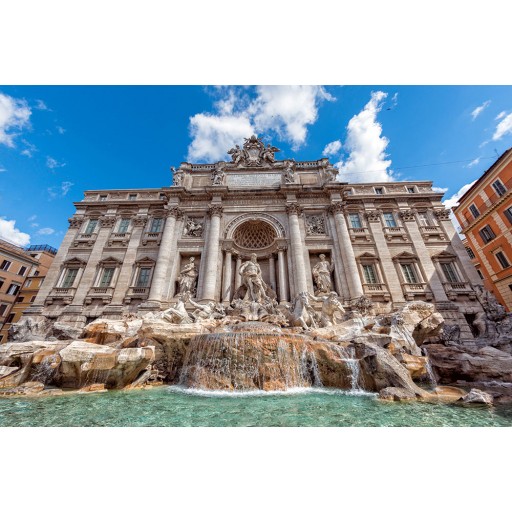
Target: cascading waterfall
(249,360)
(347,356)
(430,371)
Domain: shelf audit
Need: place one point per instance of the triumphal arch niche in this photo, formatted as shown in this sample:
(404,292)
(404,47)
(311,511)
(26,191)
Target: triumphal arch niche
(309,233)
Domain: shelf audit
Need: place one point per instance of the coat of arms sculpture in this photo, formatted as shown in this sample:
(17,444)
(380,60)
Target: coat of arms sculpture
(253,154)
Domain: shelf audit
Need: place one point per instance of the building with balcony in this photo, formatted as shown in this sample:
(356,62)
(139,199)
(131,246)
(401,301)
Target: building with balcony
(133,250)
(485,216)
(22,272)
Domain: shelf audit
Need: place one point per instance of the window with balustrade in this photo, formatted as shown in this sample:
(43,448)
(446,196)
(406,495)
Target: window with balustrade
(91,226)
(123,226)
(355,220)
(389,220)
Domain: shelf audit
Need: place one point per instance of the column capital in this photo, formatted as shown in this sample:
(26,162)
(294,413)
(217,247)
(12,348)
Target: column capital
(215,209)
(294,209)
(337,207)
(408,215)
(174,211)
(373,215)
(75,222)
(139,221)
(282,246)
(442,214)
(107,221)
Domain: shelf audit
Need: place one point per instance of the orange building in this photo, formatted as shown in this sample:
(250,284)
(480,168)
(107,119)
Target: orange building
(485,215)
(22,271)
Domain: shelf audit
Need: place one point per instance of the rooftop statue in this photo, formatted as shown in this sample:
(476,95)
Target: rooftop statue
(253,154)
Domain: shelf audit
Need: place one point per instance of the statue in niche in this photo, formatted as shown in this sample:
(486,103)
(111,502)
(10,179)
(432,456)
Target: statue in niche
(178,314)
(193,228)
(289,172)
(178,176)
(188,276)
(330,306)
(218,176)
(322,275)
(251,279)
(209,311)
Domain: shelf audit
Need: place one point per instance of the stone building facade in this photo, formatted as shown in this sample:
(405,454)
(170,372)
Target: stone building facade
(485,216)
(136,250)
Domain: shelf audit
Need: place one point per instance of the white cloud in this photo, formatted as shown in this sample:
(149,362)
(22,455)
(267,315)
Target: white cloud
(51,163)
(41,105)
(46,231)
(29,150)
(65,186)
(502,114)
(12,234)
(367,159)
(503,128)
(59,190)
(2,169)
(32,218)
(286,110)
(440,190)
(478,110)
(474,162)
(61,130)
(332,148)
(454,201)
(14,116)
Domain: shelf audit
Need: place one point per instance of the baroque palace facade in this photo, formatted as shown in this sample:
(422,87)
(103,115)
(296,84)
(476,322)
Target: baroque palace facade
(138,250)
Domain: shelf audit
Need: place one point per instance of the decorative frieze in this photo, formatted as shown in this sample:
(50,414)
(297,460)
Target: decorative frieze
(107,222)
(337,207)
(174,211)
(408,215)
(193,227)
(294,209)
(215,210)
(442,214)
(373,216)
(75,223)
(315,225)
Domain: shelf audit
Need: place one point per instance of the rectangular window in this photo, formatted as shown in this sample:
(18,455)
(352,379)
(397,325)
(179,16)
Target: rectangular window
(423,219)
(70,277)
(449,272)
(33,298)
(355,220)
(1,337)
(13,289)
(411,190)
(10,318)
(502,259)
(508,214)
(389,220)
(370,276)
(91,226)
(123,226)
(20,298)
(1,283)
(106,278)
(3,309)
(143,277)
(21,271)
(480,274)
(409,274)
(156,225)
(499,188)
(474,211)
(132,197)
(103,198)
(487,234)
(379,191)
(470,252)
(36,273)
(28,283)
(5,265)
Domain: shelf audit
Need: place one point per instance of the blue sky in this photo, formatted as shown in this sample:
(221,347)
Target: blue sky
(57,141)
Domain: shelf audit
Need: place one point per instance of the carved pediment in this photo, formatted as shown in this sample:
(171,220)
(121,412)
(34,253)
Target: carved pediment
(110,261)
(405,256)
(146,260)
(75,262)
(367,256)
(444,255)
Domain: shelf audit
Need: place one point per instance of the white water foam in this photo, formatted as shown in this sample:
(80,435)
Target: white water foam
(259,392)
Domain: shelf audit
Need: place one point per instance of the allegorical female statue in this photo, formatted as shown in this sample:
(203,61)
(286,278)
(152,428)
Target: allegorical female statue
(322,275)
(188,276)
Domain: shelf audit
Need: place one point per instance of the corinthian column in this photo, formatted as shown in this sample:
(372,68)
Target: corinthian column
(347,252)
(212,253)
(283,279)
(164,257)
(226,292)
(238,277)
(299,266)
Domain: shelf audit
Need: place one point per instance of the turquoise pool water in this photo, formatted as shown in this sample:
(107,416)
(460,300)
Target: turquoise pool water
(174,407)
